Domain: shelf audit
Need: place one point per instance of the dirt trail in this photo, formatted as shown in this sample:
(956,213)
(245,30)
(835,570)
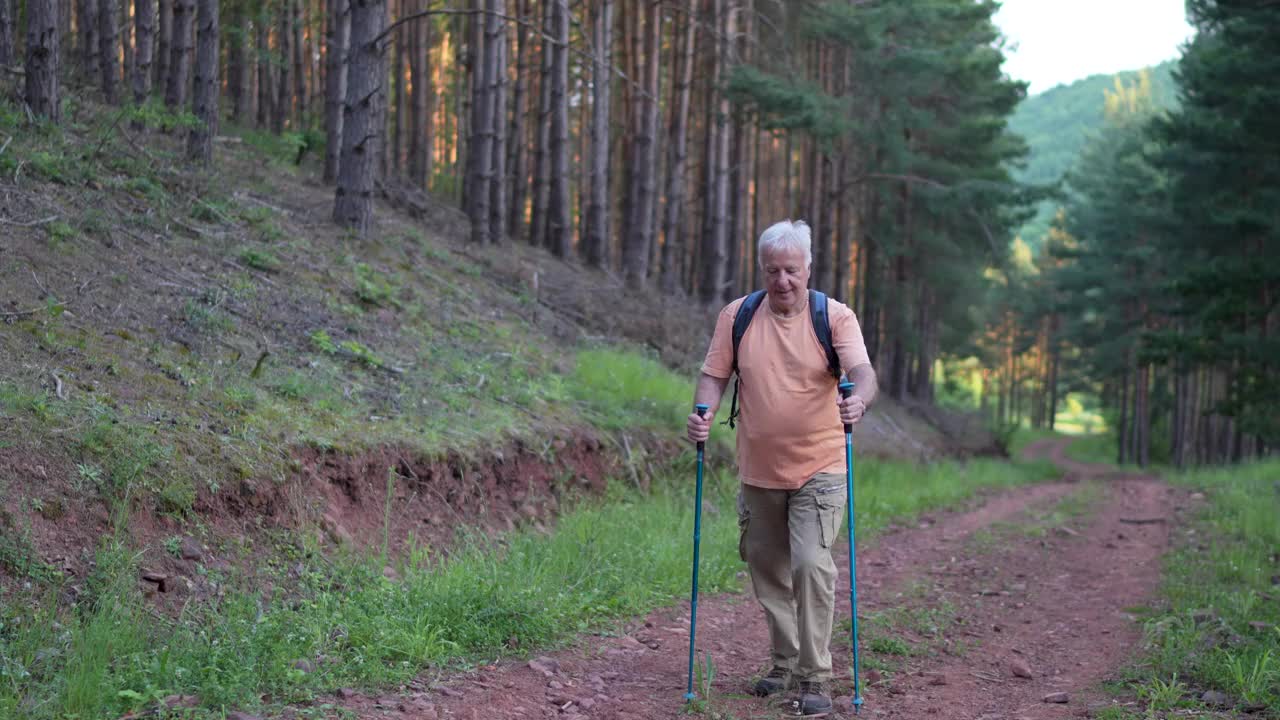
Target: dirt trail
(1051,598)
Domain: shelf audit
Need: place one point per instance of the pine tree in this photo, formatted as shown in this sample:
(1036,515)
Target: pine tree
(41,68)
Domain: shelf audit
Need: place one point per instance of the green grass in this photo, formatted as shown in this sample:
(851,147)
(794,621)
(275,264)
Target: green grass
(1228,571)
(1099,449)
(620,390)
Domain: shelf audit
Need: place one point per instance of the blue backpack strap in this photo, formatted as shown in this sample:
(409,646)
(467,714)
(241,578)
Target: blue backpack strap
(822,328)
(741,320)
(746,311)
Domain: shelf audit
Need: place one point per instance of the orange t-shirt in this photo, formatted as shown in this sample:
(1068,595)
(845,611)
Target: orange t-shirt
(789,429)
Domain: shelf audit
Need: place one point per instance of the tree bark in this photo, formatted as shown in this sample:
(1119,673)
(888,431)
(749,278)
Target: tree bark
(677,155)
(283,109)
(175,96)
(237,69)
(205,101)
(353,197)
(109,55)
(263,32)
(164,45)
(88,25)
(496,45)
(542,146)
(417,98)
(144,29)
(596,237)
(517,152)
(644,156)
(41,63)
(297,21)
(338,31)
(400,39)
(480,144)
(6,32)
(714,255)
(559,225)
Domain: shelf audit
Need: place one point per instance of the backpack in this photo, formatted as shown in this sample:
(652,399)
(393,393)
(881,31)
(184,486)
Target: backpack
(821,327)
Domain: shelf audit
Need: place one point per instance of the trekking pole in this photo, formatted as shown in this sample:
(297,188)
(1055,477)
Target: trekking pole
(697,535)
(846,389)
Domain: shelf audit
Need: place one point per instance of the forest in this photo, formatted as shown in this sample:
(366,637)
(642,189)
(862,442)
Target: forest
(346,348)
(654,140)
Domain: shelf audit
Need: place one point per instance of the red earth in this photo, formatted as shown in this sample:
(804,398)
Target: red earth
(1005,609)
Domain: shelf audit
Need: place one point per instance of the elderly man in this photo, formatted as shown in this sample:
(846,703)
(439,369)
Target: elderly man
(790,455)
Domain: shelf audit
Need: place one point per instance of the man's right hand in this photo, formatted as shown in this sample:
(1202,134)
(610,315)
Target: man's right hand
(699,428)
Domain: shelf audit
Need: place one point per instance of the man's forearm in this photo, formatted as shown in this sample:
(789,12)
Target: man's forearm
(709,391)
(863,378)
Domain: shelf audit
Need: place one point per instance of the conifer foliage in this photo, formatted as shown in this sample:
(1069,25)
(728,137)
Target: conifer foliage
(1160,277)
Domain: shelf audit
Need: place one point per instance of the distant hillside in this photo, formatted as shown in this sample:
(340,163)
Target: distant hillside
(1057,123)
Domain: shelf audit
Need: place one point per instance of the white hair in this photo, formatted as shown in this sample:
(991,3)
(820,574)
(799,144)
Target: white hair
(785,235)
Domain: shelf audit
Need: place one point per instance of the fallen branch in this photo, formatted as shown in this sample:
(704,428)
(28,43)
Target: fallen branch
(1143,521)
(33,223)
(58,381)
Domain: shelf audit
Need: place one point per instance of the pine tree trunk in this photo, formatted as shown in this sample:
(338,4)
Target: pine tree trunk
(299,49)
(596,237)
(205,100)
(644,156)
(283,109)
(417,98)
(517,152)
(1144,415)
(353,197)
(715,250)
(41,61)
(496,44)
(237,59)
(480,143)
(144,29)
(125,22)
(265,94)
(338,31)
(7,18)
(108,53)
(88,25)
(184,17)
(677,155)
(559,224)
(398,94)
(542,148)
(164,45)
(1122,435)
(843,227)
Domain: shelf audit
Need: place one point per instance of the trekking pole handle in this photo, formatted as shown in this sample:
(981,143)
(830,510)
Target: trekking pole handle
(701,409)
(846,389)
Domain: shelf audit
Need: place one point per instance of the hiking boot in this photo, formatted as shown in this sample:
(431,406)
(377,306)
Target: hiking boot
(778,680)
(813,700)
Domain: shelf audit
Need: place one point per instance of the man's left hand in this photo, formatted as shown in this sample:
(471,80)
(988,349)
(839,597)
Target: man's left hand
(852,409)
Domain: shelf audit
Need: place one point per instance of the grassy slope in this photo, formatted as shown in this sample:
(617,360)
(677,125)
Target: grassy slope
(172,336)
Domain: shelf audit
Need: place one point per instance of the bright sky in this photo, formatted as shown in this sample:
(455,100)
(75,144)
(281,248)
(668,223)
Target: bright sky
(1050,42)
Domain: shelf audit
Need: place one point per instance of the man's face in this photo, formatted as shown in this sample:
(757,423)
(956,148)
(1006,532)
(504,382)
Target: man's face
(786,278)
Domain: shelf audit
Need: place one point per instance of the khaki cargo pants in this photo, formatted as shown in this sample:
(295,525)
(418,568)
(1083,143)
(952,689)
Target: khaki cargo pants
(786,541)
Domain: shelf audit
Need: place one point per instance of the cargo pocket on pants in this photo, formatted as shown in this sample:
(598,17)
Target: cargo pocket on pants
(744,519)
(830,511)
